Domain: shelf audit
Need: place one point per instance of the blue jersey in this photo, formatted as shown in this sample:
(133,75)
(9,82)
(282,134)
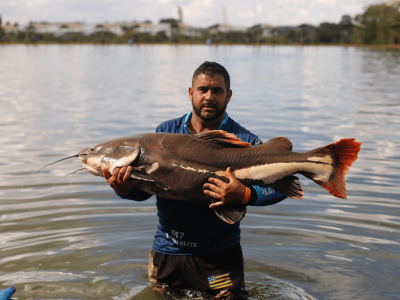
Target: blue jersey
(187,228)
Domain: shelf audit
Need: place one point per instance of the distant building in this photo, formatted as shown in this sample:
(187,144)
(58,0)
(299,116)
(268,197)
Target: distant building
(306,33)
(59,29)
(74,28)
(113,28)
(282,30)
(261,30)
(154,29)
(307,29)
(187,30)
(10,28)
(348,22)
(43,28)
(223,27)
(169,27)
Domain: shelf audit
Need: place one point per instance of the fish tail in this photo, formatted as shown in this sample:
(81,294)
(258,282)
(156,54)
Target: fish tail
(343,153)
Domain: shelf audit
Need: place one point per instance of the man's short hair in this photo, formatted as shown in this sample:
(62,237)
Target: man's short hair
(210,68)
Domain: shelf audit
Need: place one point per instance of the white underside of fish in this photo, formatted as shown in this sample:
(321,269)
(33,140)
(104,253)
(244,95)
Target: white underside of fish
(269,173)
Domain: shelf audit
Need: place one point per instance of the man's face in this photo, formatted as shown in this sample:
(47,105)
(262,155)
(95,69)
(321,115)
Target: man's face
(209,96)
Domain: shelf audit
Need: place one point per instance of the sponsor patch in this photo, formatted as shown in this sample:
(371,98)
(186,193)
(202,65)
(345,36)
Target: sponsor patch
(220,281)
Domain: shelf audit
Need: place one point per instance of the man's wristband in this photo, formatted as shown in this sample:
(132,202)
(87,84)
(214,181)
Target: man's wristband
(246,196)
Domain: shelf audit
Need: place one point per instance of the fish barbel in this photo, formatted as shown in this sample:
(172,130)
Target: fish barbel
(176,166)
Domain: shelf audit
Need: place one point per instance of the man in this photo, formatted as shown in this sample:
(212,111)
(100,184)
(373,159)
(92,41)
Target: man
(193,248)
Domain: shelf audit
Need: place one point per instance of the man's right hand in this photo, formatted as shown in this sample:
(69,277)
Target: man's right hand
(120,180)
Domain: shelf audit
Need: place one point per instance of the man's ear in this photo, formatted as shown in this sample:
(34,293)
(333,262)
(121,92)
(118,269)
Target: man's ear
(191,94)
(228,97)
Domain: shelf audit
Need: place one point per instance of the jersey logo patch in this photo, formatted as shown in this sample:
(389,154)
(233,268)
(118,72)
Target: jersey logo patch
(220,281)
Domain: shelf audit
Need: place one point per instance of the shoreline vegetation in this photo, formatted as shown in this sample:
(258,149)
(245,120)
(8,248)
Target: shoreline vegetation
(377,46)
(378,27)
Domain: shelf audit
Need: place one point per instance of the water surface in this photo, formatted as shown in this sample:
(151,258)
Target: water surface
(80,241)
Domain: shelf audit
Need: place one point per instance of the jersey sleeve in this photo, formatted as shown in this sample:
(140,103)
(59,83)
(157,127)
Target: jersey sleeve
(261,195)
(265,196)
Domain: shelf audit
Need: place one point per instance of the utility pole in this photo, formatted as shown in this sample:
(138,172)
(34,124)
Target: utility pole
(255,14)
(180,15)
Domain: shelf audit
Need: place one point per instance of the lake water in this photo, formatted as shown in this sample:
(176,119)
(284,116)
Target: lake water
(80,241)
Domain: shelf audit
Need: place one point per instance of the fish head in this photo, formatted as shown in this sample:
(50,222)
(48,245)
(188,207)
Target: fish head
(111,154)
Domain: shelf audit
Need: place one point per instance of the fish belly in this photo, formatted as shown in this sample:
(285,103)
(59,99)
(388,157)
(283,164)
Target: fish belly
(269,173)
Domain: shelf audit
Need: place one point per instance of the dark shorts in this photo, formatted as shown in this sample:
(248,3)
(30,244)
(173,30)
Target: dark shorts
(210,273)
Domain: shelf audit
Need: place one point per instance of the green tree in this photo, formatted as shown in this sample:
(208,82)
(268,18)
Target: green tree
(378,18)
(329,33)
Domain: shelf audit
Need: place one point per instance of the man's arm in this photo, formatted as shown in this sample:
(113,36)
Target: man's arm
(123,186)
(263,196)
(234,192)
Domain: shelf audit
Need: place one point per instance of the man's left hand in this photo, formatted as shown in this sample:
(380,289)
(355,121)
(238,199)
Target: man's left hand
(227,193)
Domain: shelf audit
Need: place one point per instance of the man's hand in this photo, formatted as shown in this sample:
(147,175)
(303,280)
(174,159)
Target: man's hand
(228,193)
(120,181)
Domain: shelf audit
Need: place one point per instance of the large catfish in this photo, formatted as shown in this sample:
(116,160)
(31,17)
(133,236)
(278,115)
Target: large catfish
(176,166)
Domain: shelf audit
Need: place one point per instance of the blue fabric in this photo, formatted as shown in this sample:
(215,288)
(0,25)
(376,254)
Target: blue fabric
(267,196)
(185,228)
(5,294)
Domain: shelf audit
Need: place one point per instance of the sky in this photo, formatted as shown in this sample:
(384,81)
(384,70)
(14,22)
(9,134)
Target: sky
(202,13)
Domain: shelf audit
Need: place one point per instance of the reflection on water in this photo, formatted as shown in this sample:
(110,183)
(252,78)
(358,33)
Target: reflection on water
(81,242)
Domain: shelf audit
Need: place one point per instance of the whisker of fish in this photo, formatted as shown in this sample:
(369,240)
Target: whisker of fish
(79,170)
(76,175)
(76,155)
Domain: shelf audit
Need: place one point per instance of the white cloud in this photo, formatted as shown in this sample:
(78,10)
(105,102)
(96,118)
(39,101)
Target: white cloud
(197,13)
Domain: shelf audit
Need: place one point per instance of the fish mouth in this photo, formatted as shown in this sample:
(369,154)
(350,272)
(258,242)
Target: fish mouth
(83,160)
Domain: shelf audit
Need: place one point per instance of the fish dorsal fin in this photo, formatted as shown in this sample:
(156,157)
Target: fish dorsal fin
(279,144)
(220,136)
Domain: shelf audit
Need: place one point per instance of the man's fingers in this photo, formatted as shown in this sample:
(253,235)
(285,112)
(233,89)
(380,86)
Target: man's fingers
(212,194)
(229,174)
(115,173)
(106,174)
(213,187)
(220,203)
(127,174)
(218,182)
(121,174)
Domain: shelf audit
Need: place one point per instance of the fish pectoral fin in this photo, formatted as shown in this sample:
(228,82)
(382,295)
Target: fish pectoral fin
(289,186)
(125,161)
(145,177)
(220,136)
(230,213)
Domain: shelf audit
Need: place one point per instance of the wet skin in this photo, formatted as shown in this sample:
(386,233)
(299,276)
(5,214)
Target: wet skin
(208,96)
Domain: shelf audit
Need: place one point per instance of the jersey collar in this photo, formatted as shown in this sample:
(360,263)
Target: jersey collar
(220,127)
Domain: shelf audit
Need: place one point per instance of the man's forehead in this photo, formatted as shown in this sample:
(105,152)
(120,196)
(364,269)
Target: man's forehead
(207,80)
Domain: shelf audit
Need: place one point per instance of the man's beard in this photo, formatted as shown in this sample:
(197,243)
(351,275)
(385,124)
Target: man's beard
(218,112)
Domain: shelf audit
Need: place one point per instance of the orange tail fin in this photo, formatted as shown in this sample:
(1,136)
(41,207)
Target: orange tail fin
(344,152)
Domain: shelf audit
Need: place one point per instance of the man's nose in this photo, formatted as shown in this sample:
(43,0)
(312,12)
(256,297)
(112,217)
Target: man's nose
(209,95)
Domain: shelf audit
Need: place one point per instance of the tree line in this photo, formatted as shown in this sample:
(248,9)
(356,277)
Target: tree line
(380,25)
